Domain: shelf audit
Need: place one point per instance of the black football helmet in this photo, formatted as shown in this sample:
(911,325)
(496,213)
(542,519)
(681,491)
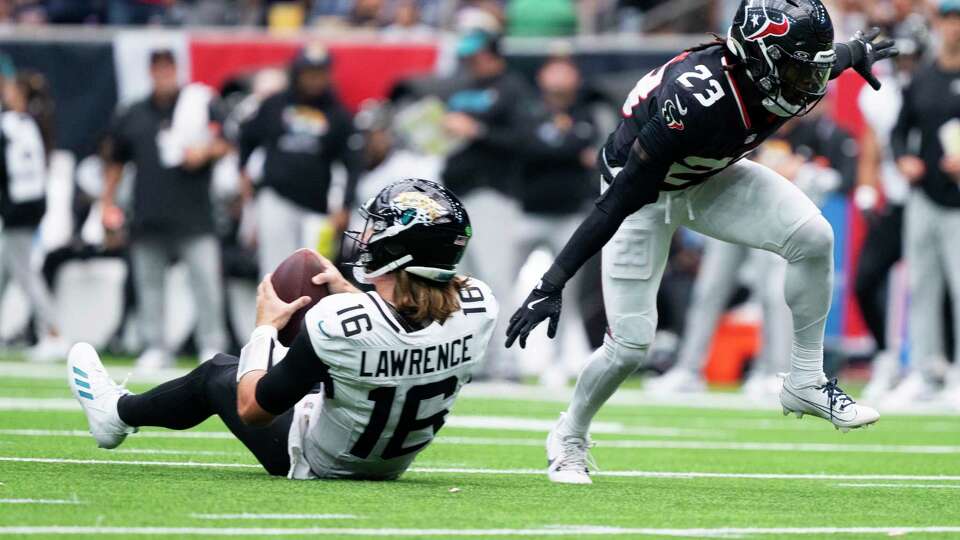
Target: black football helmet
(415,225)
(787,49)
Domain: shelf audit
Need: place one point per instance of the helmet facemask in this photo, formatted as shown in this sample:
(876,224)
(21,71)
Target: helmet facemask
(794,84)
(355,249)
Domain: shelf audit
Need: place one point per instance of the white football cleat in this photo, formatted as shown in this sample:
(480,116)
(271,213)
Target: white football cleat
(826,401)
(677,380)
(568,457)
(98,395)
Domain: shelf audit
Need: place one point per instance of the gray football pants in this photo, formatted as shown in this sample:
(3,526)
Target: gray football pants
(15,255)
(492,257)
(933,263)
(282,228)
(747,204)
(150,257)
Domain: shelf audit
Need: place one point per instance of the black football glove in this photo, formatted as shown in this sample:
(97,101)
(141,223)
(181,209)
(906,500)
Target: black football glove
(544,302)
(864,52)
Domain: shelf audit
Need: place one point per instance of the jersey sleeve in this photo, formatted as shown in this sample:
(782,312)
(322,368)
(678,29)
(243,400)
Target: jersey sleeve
(477,300)
(323,322)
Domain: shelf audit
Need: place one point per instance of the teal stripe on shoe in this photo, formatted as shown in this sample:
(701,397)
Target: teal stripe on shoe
(87,395)
(80,372)
(84,384)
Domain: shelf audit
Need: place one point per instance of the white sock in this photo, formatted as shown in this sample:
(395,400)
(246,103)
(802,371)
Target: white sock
(808,287)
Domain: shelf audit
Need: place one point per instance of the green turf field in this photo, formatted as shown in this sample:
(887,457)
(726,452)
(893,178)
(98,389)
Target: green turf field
(666,471)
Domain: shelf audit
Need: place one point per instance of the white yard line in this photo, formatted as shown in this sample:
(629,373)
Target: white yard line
(497,423)
(496,390)
(126,462)
(40,501)
(490,441)
(273,516)
(916,486)
(545,531)
(522,472)
(48,372)
(182,452)
(38,404)
(544,426)
(140,435)
(719,445)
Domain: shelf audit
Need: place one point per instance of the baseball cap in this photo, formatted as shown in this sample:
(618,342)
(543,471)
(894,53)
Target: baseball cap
(475,41)
(949,7)
(314,55)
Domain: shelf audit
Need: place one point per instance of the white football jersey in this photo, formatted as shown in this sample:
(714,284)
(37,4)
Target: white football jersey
(389,389)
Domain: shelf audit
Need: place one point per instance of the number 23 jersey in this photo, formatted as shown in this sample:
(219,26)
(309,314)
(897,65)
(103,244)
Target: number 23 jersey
(389,387)
(706,118)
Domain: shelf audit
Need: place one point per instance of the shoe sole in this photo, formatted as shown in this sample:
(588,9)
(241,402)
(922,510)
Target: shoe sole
(843,429)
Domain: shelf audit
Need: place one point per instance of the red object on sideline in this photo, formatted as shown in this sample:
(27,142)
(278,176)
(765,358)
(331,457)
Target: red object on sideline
(734,344)
(360,71)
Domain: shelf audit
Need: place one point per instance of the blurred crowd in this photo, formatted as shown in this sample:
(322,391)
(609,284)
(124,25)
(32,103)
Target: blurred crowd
(425,17)
(227,182)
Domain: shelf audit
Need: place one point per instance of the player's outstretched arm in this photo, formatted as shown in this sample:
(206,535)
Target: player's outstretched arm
(861,52)
(634,187)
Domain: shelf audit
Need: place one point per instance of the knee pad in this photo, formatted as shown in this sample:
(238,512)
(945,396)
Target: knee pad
(813,239)
(629,340)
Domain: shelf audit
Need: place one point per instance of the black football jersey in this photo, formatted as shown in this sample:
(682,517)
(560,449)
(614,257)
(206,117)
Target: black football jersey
(705,122)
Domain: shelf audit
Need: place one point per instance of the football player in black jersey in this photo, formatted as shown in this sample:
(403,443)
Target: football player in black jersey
(677,158)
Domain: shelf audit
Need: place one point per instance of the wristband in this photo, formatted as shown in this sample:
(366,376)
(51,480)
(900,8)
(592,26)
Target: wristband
(260,353)
(554,279)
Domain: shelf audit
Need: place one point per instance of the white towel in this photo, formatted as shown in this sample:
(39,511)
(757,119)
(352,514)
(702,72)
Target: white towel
(190,126)
(305,415)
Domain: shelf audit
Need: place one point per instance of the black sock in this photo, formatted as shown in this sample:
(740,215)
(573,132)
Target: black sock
(178,404)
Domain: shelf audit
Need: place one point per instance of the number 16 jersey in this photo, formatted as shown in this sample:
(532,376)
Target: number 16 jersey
(390,386)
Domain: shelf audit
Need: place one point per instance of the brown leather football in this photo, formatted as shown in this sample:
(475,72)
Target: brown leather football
(291,280)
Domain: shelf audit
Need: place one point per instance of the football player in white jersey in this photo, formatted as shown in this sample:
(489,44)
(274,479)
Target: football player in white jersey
(367,382)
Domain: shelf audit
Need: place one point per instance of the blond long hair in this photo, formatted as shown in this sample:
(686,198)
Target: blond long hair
(423,301)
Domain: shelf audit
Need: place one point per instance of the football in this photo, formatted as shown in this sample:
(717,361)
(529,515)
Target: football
(291,280)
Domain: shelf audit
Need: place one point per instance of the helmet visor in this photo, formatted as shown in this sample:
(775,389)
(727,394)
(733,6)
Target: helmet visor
(804,81)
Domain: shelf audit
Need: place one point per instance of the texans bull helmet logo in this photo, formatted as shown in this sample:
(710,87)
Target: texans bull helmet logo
(758,24)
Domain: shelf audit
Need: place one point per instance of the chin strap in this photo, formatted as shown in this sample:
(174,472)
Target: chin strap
(364,277)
